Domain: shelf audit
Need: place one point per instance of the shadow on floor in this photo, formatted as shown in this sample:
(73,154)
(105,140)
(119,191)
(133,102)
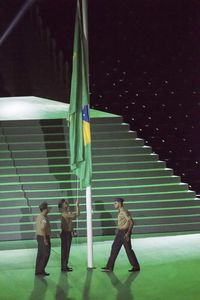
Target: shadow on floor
(39,289)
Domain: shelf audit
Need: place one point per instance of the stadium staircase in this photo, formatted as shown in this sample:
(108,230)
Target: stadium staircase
(34,167)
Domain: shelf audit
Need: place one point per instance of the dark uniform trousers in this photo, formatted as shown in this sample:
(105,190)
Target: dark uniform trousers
(116,246)
(42,254)
(66,240)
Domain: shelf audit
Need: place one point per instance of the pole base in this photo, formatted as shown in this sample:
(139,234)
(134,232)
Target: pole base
(91,268)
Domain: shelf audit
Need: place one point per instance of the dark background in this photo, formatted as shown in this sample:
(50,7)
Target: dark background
(145,66)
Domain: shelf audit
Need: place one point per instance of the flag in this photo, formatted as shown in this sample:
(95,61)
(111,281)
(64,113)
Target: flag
(79,120)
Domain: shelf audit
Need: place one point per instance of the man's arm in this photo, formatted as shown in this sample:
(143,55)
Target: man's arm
(74,214)
(130,223)
(43,230)
(130,227)
(77,209)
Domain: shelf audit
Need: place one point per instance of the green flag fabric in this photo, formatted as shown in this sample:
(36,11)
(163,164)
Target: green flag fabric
(79,121)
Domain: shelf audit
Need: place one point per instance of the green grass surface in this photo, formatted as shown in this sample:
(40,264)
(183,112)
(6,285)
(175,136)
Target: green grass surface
(169,270)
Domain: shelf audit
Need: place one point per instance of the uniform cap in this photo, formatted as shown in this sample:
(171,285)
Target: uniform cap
(120,200)
(43,206)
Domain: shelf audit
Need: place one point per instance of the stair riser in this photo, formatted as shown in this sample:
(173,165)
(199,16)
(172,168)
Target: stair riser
(109,231)
(107,183)
(58,122)
(61,145)
(64,168)
(108,191)
(65,161)
(142,222)
(108,198)
(37,129)
(96,175)
(65,152)
(42,137)
(26,215)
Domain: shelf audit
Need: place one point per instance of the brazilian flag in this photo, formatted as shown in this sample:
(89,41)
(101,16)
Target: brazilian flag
(79,120)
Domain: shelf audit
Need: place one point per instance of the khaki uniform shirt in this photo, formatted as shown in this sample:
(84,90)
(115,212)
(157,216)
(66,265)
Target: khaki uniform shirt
(123,219)
(66,219)
(42,225)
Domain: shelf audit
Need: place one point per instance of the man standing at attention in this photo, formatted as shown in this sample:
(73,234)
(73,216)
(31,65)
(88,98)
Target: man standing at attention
(123,237)
(43,238)
(66,231)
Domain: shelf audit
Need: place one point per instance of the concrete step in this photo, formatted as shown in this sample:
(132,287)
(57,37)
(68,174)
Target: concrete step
(38,169)
(146,205)
(65,152)
(96,191)
(168,228)
(137,198)
(132,173)
(168,220)
(59,184)
(3,147)
(65,160)
(62,145)
(108,230)
(6,178)
(109,121)
(25,214)
(62,128)
(47,137)
(129,166)
(173,195)
(28,223)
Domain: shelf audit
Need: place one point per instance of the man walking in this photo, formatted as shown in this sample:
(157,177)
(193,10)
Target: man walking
(123,237)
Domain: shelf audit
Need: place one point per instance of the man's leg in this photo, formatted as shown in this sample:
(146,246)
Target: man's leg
(63,237)
(68,246)
(131,255)
(116,246)
(39,257)
(47,252)
(43,255)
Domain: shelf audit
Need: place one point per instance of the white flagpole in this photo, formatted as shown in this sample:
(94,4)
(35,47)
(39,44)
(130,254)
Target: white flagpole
(89,228)
(88,189)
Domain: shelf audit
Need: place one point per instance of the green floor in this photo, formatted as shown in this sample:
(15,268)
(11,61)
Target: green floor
(170,269)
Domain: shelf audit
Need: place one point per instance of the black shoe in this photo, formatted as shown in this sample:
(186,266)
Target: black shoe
(39,274)
(134,270)
(105,269)
(66,270)
(46,274)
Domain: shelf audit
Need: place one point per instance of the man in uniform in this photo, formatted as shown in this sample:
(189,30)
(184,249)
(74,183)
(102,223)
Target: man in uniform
(67,231)
(123,237)
(43,238)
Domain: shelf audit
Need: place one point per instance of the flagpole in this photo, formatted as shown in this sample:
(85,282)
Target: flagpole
(88,189)
(89,228)
(85,32)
